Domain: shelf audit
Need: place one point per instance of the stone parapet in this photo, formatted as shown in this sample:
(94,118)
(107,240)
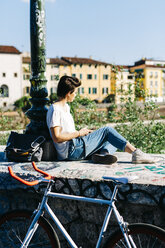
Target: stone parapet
(143,200)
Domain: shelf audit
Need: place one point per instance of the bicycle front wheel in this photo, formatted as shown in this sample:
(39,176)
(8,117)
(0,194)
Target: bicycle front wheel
(143,235)
(14,226)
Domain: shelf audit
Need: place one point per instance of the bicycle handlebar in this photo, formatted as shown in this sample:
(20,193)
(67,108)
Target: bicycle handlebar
(35,182)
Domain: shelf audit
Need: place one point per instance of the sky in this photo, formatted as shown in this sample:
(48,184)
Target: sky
(112,31)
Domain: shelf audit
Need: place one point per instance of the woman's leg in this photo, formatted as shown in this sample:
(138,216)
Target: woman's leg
(129,148)
(107,148)
(105,140)
(98,141)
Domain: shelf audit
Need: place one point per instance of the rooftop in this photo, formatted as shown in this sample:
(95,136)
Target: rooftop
(9,49)
(76,60)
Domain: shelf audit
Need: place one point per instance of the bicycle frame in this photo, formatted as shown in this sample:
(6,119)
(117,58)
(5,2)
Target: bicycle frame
(44,206)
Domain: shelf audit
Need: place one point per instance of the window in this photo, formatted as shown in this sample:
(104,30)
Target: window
(3,74)
(105,76)
(26,76)
(27,90)
(151,74)
(95,76)
(73,75)
(151,83)
(81,90)
(54,66)
(15,74)
(156,92)
(53,90)
(130,76)
(89,90)
(54,77)
(5,91)
(89,65)
(74,65)
(80,65)
(105,90)
(156,74)
(89,76)
(80,75)
(156,83)
(94,90)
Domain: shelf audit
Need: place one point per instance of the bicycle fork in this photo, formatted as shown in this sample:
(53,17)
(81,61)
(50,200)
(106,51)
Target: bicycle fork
(124,228)
(31,230)
(34,225)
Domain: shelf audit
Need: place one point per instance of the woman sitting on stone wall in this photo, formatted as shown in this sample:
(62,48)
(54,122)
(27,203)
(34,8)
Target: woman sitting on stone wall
(71,144)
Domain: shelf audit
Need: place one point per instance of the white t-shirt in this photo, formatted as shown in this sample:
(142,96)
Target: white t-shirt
(58,116)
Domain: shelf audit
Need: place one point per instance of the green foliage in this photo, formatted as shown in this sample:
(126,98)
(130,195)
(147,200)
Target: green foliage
(148,137)
(130,109)
(23,103)
(12,123)
(87,115)
(4,138)
(52,98)
(4,120)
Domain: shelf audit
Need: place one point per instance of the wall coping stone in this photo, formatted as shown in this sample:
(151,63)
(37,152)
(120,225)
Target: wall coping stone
(148,174)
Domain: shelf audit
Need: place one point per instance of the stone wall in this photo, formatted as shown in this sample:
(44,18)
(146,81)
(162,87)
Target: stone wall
(143,200)
(137,203)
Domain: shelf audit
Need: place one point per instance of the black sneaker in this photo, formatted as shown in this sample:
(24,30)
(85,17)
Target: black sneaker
(104,158)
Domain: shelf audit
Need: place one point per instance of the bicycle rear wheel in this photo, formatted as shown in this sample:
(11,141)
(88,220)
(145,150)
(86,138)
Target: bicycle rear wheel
(14,226)
(144,236)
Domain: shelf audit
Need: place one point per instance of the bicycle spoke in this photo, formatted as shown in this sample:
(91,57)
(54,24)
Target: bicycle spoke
(14,227)
(139,241)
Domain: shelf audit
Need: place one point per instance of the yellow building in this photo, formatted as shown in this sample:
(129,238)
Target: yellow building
(151,76)
(94,75)
(122,84)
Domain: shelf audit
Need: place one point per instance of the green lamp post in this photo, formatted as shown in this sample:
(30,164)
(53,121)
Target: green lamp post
(38,91)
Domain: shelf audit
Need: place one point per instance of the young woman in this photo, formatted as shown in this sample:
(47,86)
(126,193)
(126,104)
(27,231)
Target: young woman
(72,144)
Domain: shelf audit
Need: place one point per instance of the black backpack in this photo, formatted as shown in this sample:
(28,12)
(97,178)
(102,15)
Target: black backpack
(24,147)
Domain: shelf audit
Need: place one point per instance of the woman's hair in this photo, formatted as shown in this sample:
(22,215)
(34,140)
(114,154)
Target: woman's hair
(67,84)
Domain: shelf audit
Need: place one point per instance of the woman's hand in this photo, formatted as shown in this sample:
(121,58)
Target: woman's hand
(84,131)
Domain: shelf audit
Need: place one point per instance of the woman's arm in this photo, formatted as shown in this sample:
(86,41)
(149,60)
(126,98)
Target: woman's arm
(59,137)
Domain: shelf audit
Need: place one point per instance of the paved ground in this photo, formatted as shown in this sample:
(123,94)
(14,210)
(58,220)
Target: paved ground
(150,174)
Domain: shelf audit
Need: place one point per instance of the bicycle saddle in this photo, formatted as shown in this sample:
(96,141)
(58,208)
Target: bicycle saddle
(120,180)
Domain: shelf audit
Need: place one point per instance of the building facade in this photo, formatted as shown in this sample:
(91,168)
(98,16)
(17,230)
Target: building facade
(122,84)
(151,75)
(100,80)
(95,76)
(10,75)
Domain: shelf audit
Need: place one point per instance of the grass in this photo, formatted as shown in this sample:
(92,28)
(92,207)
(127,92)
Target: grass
(4,138)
